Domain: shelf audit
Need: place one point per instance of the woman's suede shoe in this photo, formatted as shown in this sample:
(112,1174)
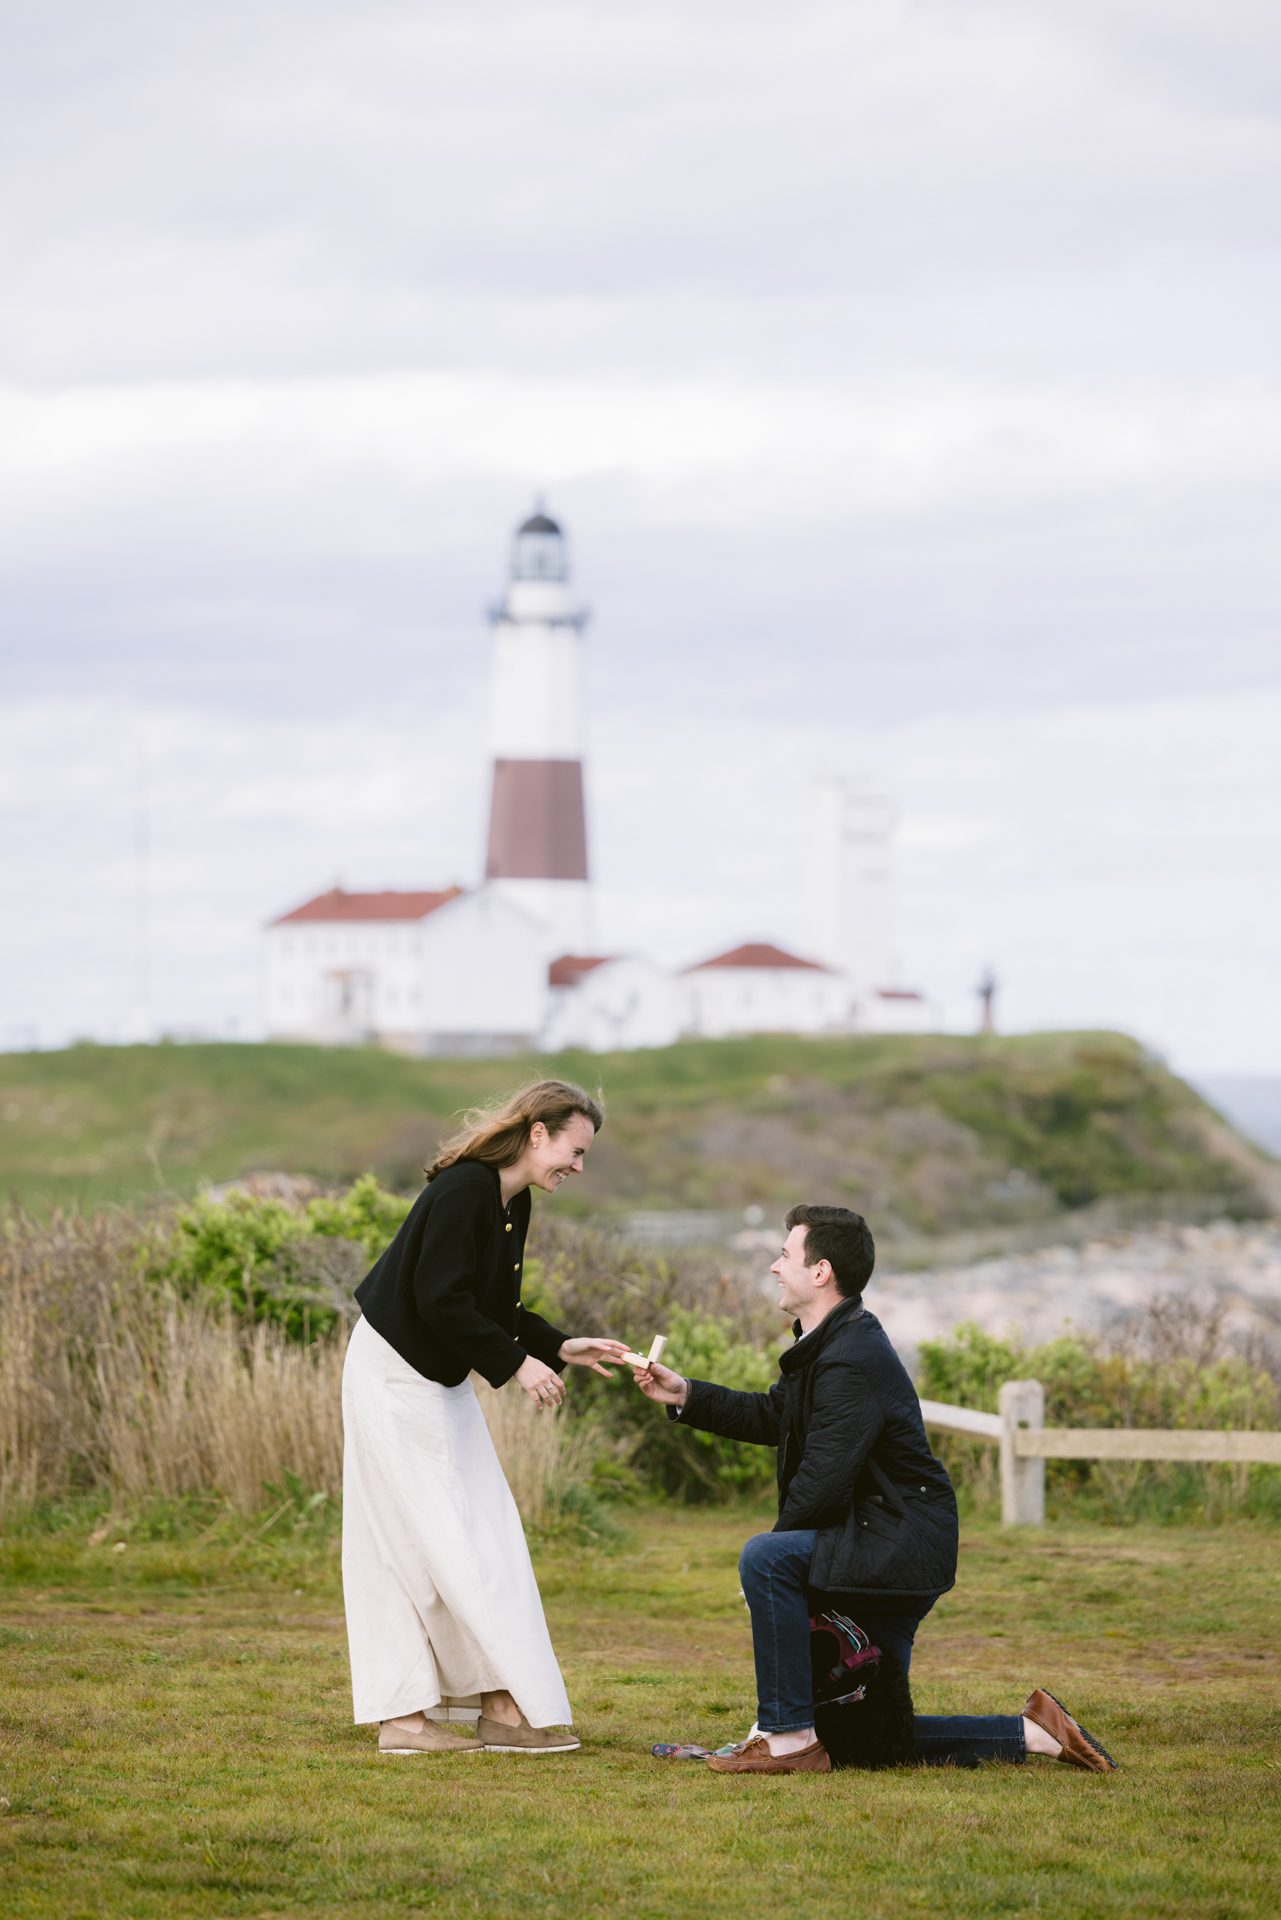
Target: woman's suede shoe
(496,1737)
(428,1736)
(1079,1748)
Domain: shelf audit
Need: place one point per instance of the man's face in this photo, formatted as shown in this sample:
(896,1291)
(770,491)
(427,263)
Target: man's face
(796,1289)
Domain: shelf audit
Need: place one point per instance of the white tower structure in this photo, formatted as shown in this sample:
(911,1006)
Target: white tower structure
(852,887)
(537,853)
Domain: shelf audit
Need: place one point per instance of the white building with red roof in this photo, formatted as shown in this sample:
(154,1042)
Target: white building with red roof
(611,1002)
(760,988)
(895,1010)
(423,972)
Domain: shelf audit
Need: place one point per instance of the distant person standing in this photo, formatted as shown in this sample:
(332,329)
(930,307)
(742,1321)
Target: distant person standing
(440,1595)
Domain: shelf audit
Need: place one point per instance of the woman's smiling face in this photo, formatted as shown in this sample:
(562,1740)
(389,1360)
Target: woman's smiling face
(552,1157)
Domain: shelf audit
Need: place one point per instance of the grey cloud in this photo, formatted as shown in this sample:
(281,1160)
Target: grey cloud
(250,591)
(839,208)
(282,186)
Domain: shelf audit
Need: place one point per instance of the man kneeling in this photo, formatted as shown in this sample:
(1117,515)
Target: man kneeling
(867,1515)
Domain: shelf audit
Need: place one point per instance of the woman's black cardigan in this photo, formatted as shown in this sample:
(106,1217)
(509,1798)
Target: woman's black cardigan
(446,1294)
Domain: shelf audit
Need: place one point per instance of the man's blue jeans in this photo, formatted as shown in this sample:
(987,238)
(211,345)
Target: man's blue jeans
(774,1569)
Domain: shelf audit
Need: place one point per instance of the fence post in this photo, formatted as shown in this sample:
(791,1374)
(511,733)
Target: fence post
(1021,1403)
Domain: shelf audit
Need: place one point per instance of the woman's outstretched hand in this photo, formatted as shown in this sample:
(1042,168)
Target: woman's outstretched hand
(590,1353)
(661,1384)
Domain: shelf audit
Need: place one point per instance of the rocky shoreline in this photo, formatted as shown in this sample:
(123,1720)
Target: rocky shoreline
(1094,1286)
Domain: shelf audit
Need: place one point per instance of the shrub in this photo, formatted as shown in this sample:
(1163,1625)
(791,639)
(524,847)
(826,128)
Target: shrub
(366,1215)
(270,1260)
(677,1460)
(595,1282)
(195,1351)
(591,1282)
(112,1379)
(1171,1365)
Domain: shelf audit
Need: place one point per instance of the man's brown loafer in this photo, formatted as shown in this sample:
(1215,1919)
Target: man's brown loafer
(1079,1748)
(754,1756)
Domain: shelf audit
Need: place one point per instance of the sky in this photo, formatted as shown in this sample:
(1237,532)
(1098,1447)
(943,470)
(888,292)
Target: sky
(906,373)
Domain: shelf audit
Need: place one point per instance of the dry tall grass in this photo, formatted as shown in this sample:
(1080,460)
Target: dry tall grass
(108,1380)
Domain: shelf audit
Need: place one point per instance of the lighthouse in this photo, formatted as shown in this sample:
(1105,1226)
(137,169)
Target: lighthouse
(852,886)
(537,850)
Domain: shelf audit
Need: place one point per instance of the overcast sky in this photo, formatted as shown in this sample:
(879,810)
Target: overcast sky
(908,376)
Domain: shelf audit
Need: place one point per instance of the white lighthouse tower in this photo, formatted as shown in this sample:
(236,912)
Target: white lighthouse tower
(537,853)
(852,887)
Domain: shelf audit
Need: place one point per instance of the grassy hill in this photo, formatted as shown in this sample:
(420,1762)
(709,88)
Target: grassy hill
(934,1135)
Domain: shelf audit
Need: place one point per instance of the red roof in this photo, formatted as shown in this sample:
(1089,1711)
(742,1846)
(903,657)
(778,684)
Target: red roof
(570,968)
(898,993)
(337,905)
(758,954)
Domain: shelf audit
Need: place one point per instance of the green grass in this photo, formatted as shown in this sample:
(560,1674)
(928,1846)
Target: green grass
(176,1739)
(930,1135)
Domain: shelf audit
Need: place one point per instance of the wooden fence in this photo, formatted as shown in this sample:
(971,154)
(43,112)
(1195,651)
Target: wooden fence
(1026,1443)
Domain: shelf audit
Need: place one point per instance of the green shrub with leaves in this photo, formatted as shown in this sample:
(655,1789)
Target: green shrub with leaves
(968,1368)
(296,1266)
(366,1214)
(270,1260)
(674,1459)
(1173,1365)
(593,1281)
(590,1281)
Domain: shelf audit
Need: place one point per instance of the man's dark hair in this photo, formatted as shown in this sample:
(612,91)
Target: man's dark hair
(843,1239)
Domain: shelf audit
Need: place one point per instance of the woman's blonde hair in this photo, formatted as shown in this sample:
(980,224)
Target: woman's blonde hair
(497,1134)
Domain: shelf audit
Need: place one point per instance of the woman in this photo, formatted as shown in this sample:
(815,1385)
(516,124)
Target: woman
(441,1600)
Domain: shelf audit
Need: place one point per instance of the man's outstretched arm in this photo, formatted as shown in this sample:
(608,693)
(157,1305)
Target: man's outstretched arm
(753,1417)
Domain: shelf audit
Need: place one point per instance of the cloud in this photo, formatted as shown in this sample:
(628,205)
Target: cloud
(907,376)
(256,540)
(273,188)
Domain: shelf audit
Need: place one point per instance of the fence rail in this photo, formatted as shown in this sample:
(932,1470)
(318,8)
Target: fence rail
(986,1426)
(1026,1443)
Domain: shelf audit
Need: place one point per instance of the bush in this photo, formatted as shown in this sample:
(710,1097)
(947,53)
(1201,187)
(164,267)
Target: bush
(594,1282)
(296,1267)
(591,1282)
(1172,1365)
(367,1216)
(115,1383)
(185,1351)
(674,1459)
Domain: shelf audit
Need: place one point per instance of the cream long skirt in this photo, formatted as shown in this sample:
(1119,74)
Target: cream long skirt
(440,1595)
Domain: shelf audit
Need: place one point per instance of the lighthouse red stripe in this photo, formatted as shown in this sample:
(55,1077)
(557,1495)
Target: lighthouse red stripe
(537,825)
